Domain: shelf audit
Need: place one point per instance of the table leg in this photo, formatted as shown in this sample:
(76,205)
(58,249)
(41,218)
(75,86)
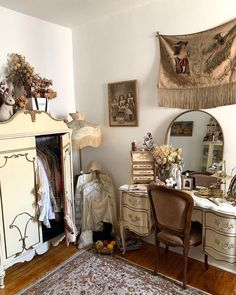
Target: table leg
(2,275)
(122,235)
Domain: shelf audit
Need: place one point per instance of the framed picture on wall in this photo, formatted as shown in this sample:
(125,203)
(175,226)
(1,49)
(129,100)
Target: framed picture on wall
(123,104)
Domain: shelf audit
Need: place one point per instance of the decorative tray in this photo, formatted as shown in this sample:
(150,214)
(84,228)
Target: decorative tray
(203,193)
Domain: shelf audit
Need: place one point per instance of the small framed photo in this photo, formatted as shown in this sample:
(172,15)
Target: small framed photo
(123,104)
(187,183)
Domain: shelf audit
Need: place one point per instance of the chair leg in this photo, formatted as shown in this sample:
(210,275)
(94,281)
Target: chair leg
(206,261)
(167,248)
(185,253)
(157,256)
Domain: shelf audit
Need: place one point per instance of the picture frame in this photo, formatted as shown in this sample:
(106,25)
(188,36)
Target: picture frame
(123,104)
(182,128)
(187,183)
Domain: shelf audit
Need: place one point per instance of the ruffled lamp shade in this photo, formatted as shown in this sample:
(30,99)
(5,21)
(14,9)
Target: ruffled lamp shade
(84,133)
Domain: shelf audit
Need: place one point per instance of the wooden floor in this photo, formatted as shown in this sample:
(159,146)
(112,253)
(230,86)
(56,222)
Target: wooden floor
(214,281)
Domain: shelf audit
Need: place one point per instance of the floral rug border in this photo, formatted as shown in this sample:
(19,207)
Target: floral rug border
(50,272)
(176,282)
(116,256)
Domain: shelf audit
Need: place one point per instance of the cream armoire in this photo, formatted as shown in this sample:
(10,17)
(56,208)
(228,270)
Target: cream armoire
(22,235)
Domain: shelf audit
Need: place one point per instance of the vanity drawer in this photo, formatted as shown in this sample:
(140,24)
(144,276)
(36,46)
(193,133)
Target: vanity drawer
(222,224)
(143,178)
(143,172)
(223,244)
(143,166)
(135,218)
(144,156)
(136,202)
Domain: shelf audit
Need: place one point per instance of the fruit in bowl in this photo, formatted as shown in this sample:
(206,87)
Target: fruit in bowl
(105,247)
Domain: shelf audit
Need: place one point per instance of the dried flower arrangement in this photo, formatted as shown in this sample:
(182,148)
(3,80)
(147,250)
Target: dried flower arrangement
(4,90)
(21,102)
(165,156)
(22,74)
(41,88)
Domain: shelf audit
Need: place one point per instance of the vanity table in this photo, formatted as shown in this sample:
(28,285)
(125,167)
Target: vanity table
(218,222)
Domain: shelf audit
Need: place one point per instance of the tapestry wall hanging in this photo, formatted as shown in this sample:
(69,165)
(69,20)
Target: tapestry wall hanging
(198,71)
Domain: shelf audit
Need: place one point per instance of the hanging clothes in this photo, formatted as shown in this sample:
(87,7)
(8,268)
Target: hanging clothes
(98,201)
(44,196)
(82,180)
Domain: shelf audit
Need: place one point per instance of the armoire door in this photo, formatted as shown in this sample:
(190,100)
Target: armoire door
(68,188)
(19,228)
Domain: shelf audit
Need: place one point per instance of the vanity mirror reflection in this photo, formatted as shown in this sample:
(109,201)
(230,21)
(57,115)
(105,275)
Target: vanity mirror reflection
(200,137)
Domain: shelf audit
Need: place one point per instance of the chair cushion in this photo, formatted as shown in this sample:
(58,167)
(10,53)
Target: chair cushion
(195,238)
(169,237)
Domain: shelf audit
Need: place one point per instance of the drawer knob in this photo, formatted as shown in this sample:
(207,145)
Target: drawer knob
(134,218)
(223,245)
(224,225)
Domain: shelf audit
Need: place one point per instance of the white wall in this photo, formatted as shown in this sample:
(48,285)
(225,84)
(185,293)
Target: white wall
(47,47)
(123,46)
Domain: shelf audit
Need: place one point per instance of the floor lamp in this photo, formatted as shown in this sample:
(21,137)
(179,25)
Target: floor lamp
(83,134)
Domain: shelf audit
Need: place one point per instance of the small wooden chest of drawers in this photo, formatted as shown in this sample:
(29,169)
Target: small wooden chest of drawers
(135,214)
(142,167)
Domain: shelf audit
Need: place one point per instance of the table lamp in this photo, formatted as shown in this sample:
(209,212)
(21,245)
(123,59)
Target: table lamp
(83,134)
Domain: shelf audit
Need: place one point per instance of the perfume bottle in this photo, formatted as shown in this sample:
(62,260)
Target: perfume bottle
(134,145)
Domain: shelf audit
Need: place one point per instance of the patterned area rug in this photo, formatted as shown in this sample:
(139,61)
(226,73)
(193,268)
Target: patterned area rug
(88,273)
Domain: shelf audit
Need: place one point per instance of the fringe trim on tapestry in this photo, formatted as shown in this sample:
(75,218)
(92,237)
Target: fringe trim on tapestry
(198,71)
(198,98)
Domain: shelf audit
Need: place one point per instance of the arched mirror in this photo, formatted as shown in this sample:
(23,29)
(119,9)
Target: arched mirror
(200,137)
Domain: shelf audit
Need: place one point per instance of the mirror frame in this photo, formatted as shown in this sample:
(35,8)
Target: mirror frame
(188,111)
(167,135)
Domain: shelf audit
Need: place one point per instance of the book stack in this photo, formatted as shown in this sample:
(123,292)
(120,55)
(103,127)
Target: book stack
(138,188)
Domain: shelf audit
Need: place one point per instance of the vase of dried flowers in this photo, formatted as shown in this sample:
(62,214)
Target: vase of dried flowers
(28,84)
(168,161)
(162,172)
(42,92)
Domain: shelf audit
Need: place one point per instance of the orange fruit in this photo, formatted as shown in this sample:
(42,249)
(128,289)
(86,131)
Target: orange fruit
(110,246)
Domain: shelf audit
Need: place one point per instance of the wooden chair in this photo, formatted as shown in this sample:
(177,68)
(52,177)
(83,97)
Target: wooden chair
(172,212)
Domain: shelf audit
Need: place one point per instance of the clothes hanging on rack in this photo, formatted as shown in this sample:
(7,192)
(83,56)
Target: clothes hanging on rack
(96,196)
(50,159)
(49,183)
(82,180)
(43,192)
